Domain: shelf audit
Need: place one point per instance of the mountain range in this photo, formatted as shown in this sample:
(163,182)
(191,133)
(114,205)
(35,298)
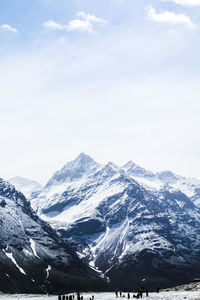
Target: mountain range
(128,223)
(33,257)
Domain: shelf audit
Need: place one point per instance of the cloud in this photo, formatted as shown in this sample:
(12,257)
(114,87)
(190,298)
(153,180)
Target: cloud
(191,3)
(53,25)
(9,28)
(81,25)
(83,22)
(169,17)
(91,18)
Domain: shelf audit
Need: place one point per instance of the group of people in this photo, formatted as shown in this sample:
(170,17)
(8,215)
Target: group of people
(66,297)
(72,297)
(141,291)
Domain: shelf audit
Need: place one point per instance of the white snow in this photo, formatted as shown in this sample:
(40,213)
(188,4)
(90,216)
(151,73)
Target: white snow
(87,205)
(9,255)
(26,186)
(85,197)
(172,295)
(33,247)
(155,184)
(48,270)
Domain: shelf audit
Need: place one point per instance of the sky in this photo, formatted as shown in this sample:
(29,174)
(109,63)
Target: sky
(116,79)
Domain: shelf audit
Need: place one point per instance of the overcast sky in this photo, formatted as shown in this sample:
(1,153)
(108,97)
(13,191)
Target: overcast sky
(116,79)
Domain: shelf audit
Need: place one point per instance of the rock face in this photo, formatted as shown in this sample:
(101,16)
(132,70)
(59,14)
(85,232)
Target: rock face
(131,224)
(33,259)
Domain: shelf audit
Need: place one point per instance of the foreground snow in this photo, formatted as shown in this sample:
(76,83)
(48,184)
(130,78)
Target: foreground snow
(111,296)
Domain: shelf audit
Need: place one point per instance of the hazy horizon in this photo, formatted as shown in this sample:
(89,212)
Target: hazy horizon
(102,163)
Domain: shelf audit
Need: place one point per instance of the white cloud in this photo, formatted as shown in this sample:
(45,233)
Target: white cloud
(9,28)
(83,22)
(169,17)
(53,25)
(91,18)
(187,2)
(81,25)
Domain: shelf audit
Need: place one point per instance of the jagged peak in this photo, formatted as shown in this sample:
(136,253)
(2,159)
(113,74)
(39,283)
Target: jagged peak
(112,165)
(81,166)
(136,170)
(130,164)
(81,159)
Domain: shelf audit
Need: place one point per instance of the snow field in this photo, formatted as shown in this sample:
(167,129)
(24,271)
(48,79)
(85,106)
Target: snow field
(111,296)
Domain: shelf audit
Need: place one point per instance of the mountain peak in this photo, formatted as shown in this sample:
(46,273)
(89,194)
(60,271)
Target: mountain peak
(82,158)
(81,166)
(136,170)
(129,165)
(167,176)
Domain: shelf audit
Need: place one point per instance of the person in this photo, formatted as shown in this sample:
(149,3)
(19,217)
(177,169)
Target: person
(147,293)
(120,293)
(78,296)
(128,296)
(116,293)
(140,292)
(157,289)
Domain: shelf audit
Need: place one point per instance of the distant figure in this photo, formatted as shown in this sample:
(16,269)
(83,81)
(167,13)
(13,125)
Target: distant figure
(81,297)
(147,293)
(63,297)
(73,296)
(140,292)
(128,296)
(67,297)
(157,289)
(59,297)
(120,293)
(116,293)
(92,297)
(78,296)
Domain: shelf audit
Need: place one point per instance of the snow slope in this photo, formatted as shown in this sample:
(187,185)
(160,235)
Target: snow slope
(32,256)
(26,186)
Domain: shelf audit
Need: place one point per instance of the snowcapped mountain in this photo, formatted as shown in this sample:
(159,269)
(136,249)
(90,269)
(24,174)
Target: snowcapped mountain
(33,259)
(127,222)
(82,166)
(26,186)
